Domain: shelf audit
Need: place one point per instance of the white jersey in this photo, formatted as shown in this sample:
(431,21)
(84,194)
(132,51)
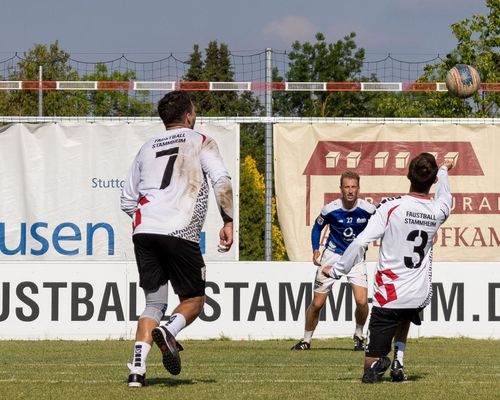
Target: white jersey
(407,225)
(166,190)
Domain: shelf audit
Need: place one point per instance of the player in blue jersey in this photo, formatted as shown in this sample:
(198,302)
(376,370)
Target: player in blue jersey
(346,217)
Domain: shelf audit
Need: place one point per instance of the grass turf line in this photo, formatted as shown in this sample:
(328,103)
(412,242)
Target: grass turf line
(438,368)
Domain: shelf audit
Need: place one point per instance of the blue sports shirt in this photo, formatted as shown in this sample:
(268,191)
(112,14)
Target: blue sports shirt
(345,225)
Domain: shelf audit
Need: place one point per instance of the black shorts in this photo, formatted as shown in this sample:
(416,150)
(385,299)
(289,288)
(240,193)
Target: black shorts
(162,258)
(382,328)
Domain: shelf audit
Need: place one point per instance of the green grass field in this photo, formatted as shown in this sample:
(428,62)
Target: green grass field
(438,369)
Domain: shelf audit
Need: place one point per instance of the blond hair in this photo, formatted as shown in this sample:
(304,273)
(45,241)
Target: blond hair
(349,175)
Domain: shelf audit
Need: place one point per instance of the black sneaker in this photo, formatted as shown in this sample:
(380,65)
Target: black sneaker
(301,346)
(169,349)
(359,343)
(397,372)
(376,371)
(137,380)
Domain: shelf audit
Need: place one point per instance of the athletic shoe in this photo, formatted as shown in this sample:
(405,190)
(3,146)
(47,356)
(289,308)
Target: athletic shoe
(359,343)
(169,349)
(397,372)
(302,345)
(137,380)
(374,373)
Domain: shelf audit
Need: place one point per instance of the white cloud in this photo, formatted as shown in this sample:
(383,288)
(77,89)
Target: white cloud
(291,28)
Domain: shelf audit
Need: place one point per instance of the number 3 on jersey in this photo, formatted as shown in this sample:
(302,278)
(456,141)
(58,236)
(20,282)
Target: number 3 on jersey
(418,249)
(167,175)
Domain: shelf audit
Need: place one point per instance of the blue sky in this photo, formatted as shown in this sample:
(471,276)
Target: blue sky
(149,28)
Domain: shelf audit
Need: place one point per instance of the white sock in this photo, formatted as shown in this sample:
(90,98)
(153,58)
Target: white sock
(308,336)
(359,330)
(141,351)
(399,351)
(176,323)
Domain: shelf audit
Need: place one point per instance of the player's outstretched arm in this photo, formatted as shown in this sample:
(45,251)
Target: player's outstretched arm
(355,252)
(443,191)
(352,256)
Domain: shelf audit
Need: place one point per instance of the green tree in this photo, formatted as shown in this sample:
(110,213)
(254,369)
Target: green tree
(116,103)
(323,62)
(252,210)
(195,65)
(478,40)
(216,67)
(55,66)
(420,105)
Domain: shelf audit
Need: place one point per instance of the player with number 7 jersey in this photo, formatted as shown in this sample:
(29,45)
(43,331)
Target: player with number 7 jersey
(168,177)
(166,194)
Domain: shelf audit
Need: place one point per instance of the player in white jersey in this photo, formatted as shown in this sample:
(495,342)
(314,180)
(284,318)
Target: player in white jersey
(345,217)
(406,226)
(166,194)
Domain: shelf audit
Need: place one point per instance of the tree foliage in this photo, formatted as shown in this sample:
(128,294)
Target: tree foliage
(116,103)
(56,67)
(252,211)
(478,42)
(216,67)
(252,215)
(323,62)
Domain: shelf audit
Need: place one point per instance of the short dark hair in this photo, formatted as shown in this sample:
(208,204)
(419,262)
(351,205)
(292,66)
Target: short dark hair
(422,172)
(173,106)
(349,175)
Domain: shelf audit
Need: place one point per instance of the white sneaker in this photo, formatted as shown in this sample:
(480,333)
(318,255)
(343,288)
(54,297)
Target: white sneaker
(137,376)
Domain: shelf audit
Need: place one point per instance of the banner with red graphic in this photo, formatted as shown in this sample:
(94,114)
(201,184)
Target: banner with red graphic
(309,159)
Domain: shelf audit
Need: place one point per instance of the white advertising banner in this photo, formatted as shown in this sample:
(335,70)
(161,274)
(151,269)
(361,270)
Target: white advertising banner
(60,186)
(245,301)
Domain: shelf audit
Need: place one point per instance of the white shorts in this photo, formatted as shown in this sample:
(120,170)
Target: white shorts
(356,276)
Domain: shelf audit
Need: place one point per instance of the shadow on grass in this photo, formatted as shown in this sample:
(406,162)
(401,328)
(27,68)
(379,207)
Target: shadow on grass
(334,349)
(177,382)
(415,377)
(386,379)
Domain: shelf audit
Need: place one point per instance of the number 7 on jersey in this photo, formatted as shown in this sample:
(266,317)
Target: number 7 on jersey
(167,175)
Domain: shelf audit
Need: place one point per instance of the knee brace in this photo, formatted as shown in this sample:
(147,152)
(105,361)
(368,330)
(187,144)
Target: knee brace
(155,311)
(156,303)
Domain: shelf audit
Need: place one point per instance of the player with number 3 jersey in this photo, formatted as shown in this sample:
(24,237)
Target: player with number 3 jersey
(406,226)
